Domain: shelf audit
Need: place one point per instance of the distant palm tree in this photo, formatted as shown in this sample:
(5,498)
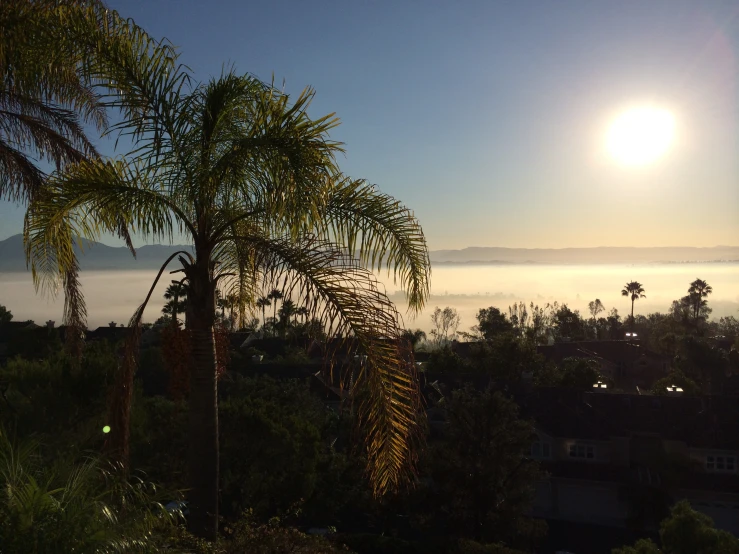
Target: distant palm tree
(275,295)
(263,303)
(231,301)
(414,337)
(288,311)
(699,290)
(636,291)
(176,295)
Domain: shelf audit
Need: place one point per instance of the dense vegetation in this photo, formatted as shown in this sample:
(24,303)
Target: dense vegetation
(289,462)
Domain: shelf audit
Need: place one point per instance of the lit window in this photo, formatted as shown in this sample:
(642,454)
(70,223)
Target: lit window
(585,451)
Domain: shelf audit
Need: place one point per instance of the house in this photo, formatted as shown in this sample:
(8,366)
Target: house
(620,460)
(11,331)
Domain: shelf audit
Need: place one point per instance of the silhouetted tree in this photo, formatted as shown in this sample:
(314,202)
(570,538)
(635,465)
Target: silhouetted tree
(492,322)
(275,295)
(445,324)
(264,302)
(5,314)
(414,337)
(483,484)
(176,296)
(595,307)
(697,293)
(686,531)
(635,291)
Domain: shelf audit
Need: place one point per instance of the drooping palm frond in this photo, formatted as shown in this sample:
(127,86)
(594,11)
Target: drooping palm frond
(345,297)
(382,232)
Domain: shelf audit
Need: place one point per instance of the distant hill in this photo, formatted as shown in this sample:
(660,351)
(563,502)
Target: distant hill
(599,255)
(98,256)
(95,256)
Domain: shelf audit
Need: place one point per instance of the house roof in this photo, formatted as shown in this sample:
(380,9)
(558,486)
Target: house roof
(11,327)
(615,351)
(701,422)
(108,333)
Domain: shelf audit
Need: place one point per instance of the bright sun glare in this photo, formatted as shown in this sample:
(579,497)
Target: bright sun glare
(640,136)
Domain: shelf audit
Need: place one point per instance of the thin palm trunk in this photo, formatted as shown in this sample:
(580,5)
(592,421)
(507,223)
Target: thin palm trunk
(203,422)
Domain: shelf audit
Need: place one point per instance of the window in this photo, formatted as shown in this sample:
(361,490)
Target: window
(541,450)
(721,463)
(583,451)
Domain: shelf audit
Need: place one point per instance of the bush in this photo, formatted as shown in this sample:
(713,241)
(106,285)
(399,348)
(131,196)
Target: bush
(86,507)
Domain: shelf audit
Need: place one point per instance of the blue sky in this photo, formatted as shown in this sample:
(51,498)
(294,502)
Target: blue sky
(488,118)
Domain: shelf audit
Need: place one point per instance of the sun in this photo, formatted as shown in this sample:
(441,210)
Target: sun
(640,136)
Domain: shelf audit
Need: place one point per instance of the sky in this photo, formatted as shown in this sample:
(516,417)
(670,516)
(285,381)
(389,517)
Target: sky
(489,119)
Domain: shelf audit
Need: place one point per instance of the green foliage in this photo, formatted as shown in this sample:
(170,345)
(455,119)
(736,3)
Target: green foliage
(702,362)
(579,373)
(271,445)
(507,357)
(58,399)
(568,324)
(491,322)
(445,360)
(480,484)
(247,536)
(159,440)
(676,378)
(686,531)
(85,507)
(364,543)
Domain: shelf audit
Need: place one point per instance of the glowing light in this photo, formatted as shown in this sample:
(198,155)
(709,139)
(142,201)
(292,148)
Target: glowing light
(640,136)
(106,429)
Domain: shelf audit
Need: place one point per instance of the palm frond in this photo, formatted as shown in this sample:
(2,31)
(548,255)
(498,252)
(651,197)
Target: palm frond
(346,298)
(382,232)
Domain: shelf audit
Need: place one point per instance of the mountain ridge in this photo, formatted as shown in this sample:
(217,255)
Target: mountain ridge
(98,256)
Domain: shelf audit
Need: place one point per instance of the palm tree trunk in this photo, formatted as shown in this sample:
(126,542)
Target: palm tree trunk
(203,422)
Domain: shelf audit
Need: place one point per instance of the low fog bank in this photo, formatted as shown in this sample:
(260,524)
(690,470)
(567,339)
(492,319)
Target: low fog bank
(114,295)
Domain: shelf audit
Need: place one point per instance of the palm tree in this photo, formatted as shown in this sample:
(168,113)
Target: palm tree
(275,295)
(698,291)
(263,303)
(252,181)
(176,296)
(231,301)
(54,56)
(636,291)
(288,311)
